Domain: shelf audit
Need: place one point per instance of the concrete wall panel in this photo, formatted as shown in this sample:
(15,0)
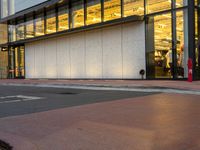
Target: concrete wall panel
(77,55)
(116,52)
(50,58)
(94,53)
(133,50)
(30,60)
(112,53)
(39,59)
(63,57)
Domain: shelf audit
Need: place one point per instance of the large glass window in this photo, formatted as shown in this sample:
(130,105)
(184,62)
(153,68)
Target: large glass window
(197,41)
(3,33)
(133,7)
(63,18)
(159,46)
(51,22)
(112,9)
(77,14)
(20,30)
(196,2)
(181,3)
(181,44)
(12,32)
(29,28)
(158,5)
(93,11)
(39,25)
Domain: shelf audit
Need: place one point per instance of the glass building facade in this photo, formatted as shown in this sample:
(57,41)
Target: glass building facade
(172,27)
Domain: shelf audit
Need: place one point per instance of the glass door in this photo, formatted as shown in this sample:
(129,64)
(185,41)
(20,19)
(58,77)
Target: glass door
(16,62)
(167,45)
(159,46)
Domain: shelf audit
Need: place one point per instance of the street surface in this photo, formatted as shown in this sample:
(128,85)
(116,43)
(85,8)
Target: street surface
(15,100)
(38,118)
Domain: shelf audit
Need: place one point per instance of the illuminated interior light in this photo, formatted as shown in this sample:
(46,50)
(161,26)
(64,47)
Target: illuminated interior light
(117,14)
(39,33)
(169,1)
(140,8)
(63,27)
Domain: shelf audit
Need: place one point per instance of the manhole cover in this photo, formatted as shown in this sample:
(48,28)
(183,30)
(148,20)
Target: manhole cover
(4,146)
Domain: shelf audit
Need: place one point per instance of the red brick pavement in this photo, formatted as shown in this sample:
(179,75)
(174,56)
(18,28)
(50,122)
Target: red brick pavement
(156,122)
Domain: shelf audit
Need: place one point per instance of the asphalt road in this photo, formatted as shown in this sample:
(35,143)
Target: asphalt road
(16,100)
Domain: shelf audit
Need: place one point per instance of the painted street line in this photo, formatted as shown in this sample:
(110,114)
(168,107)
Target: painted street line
(17,98)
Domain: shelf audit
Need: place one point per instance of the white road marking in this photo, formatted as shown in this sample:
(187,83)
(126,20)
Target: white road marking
(18,98)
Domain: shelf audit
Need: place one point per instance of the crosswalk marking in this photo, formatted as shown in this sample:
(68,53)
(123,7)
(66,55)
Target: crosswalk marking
(17,98)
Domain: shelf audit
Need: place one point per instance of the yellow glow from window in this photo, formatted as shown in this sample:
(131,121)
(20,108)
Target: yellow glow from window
(112,9)
(94,13)
(63,22)
(156,6)
(29,29)
(77,15)
(20,31)
(51,25)
(39,27)
(133,7)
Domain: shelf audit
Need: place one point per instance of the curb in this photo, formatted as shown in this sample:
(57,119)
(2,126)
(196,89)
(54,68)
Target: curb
(156,89)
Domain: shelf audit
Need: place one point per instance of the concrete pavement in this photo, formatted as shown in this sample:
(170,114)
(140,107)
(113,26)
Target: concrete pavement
(155,122)
(162,121)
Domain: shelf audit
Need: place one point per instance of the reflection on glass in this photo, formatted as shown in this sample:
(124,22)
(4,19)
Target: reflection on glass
(12,33)
(20,30)
(39,25)
(112,9)
(133,7)
(77,14)
(3,33)
(159,46)
(197,40)
(93,11)
(156,6)
(196,2)
(181,3)
(29,28)
(63,21)
(181,44)
(51,22)
(18,61)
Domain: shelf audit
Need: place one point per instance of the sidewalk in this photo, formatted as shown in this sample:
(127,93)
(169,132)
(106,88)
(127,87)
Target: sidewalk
(181,85)
(162,121)
(155,122)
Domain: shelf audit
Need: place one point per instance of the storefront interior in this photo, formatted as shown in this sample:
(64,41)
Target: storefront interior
(167,41)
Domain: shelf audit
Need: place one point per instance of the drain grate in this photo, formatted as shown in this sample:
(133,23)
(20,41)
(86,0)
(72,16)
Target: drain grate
(4,146)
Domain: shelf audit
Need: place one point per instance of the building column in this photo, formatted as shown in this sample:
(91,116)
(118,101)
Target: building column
(191,33)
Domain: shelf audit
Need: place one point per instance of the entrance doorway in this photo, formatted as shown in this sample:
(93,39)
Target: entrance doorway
(167,45)
(16,62)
